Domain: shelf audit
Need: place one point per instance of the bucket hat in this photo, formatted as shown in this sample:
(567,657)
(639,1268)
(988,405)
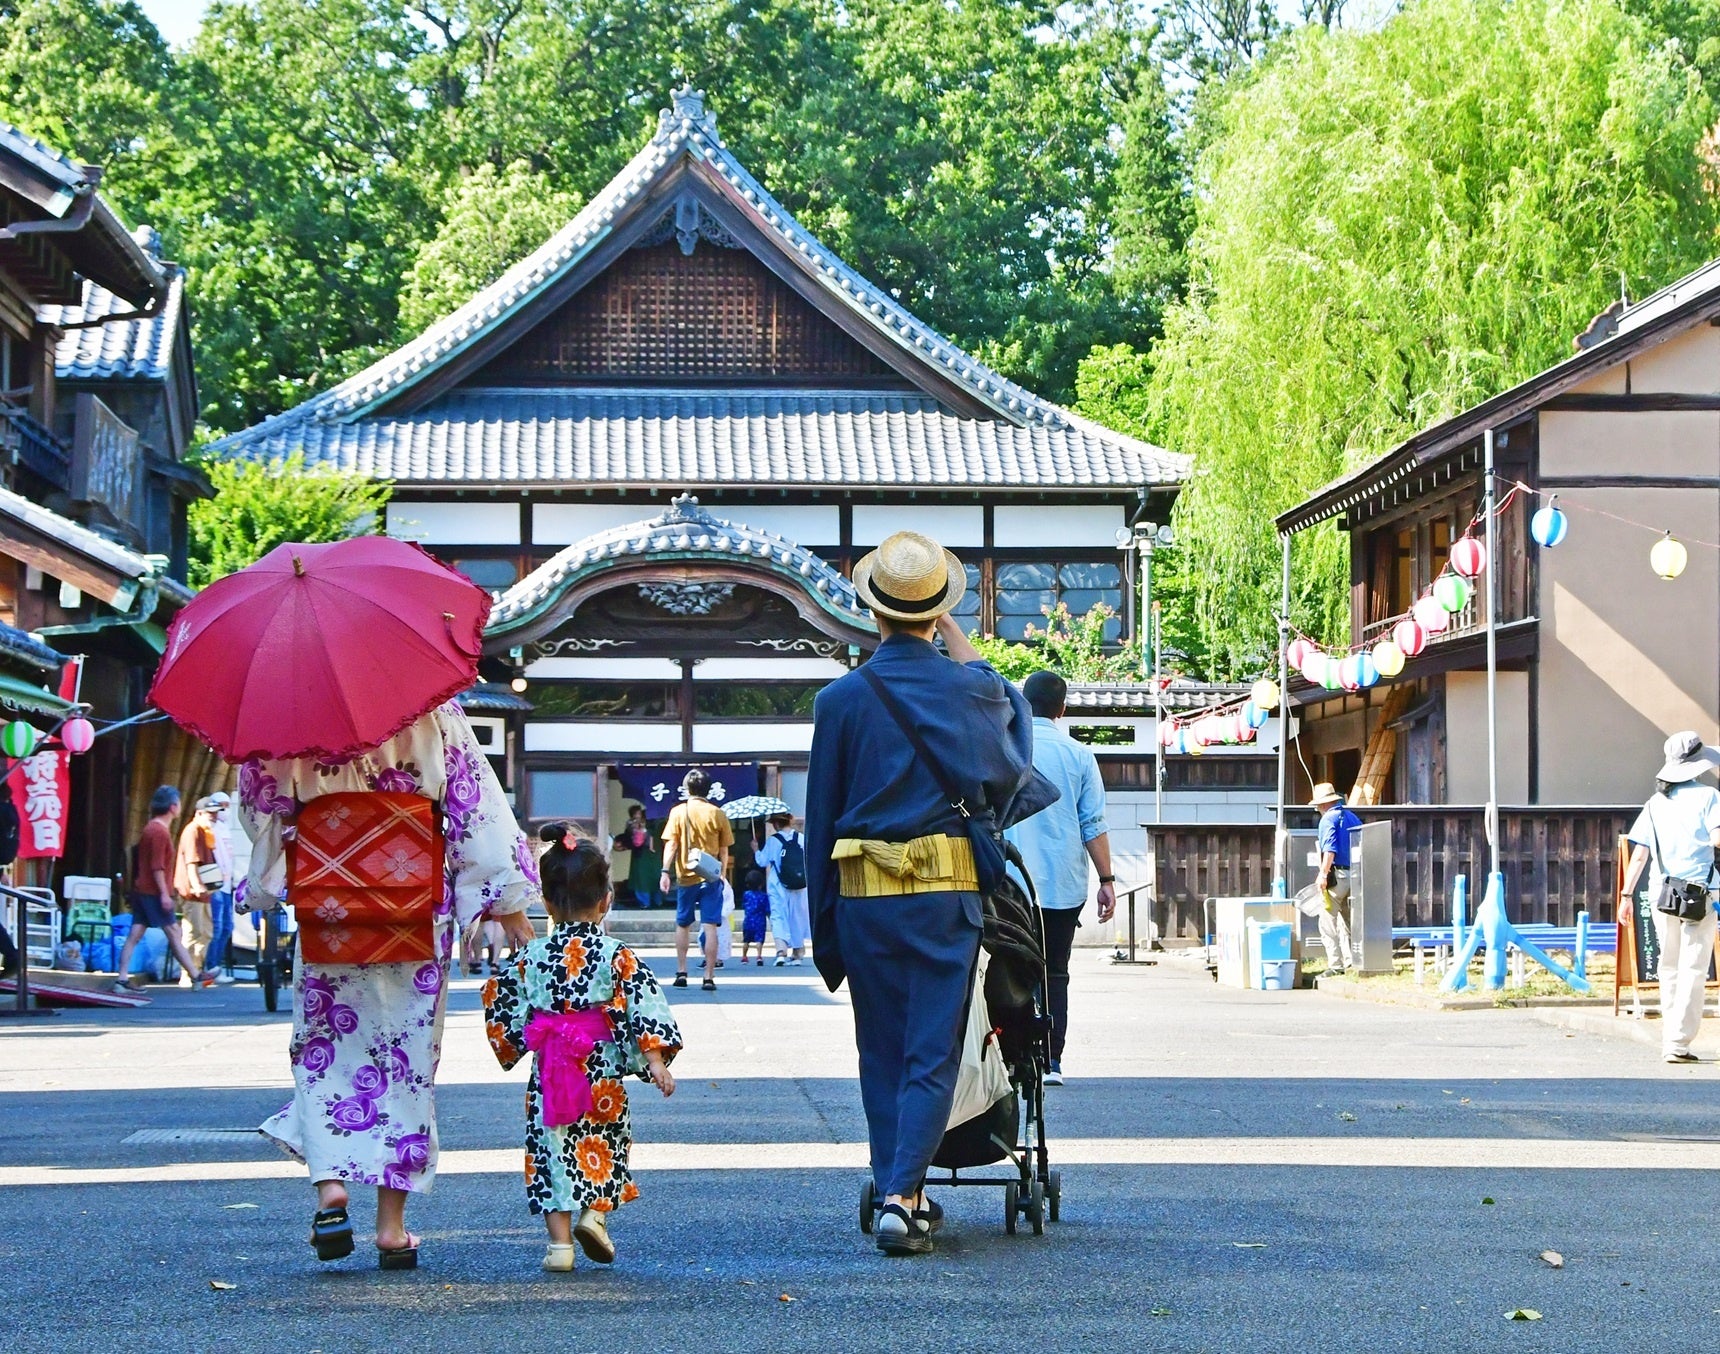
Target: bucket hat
(1686,757)
(1325,793)
(910,577)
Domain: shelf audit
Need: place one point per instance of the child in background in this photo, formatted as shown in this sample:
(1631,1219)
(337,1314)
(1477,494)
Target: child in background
(593,1013)
(755,903)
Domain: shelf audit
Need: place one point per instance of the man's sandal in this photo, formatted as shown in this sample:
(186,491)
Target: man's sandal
(331,1233)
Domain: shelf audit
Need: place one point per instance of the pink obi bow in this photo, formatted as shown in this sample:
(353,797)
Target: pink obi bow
(562,1043)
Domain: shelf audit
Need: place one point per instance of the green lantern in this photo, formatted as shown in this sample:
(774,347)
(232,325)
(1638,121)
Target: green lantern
(18,739)
(1451,592)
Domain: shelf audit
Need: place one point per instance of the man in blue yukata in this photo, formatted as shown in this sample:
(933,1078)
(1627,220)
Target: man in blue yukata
(894,892)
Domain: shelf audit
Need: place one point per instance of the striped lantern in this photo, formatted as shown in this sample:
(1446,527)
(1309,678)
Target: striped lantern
(79,735)
(1431,616)
(1468,556)
(18,739)
(1410,638)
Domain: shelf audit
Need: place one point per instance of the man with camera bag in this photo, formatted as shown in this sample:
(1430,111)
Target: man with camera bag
(1676,834)
(891,868)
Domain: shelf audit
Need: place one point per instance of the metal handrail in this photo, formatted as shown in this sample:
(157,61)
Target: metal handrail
(1118,956)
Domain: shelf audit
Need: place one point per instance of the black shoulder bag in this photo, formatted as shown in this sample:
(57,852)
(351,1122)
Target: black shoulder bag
(1013,932)
(1682,898)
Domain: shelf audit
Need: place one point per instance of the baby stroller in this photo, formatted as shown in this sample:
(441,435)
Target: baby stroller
(1010,1134)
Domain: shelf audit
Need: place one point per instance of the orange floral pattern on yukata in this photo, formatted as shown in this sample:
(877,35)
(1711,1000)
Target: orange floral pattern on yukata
(596,1161)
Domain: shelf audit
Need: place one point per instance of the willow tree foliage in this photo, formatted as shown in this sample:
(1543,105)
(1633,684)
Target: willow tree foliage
(259,505)
(1391,225)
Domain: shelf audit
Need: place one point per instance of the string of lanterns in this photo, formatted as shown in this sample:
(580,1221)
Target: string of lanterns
(20,739)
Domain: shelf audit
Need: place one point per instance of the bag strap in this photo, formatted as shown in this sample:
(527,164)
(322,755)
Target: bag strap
(893,707)
(1653,838)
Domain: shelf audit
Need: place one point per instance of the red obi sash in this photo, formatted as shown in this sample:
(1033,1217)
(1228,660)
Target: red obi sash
(364,870)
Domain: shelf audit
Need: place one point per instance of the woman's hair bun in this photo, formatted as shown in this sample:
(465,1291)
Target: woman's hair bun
(554,832)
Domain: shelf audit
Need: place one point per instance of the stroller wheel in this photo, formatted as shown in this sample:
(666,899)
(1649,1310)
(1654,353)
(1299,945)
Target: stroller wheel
(1036,1207)
(1011,1206)
(868,1207)
(1054,1193)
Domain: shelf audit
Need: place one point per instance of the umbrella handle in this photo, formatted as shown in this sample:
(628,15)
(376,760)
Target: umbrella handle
(448,619)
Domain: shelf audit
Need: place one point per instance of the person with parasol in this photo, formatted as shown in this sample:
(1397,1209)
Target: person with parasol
(372,809)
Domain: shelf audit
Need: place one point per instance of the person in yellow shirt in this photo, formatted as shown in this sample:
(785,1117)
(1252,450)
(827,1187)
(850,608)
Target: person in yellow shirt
(696,843)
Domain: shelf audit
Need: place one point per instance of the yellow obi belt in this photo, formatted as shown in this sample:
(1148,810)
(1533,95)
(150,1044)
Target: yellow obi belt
(936,864)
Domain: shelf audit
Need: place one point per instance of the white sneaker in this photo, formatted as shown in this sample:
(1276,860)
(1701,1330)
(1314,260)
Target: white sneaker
(795,962)
(558,1259)
(781,960)
(224,979)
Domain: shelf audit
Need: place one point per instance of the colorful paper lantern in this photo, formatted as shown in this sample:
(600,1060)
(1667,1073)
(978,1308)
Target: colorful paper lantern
(1431,616)
(1349,674)
(1296,653)
(1388,657)
(1668,557)
(79,735)
(1193,746)
(1366,673)
(18,739)
(1256,715)
(1330,678)
(1451,592)
(1313,666)
(1265,694)
(1410,637)
(1549,524)
(1468,556)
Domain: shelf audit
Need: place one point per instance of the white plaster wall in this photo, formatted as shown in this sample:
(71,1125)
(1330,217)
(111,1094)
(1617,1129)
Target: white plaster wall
(802,523)
(454,523)
(603,736)
(1063,526)
(948,526)
(752,739)
(1466,738)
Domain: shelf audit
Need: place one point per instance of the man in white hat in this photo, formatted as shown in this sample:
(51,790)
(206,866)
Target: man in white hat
(1332,884)
(1677,833)
(894,890)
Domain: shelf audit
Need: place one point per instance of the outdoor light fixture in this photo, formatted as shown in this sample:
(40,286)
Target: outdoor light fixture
(518,686)
(1668,557)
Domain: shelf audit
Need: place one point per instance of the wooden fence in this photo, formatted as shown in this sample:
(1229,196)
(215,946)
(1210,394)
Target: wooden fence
(1557,861)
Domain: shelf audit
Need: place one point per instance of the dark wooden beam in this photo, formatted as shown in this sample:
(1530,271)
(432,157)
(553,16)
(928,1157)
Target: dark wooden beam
(1659,402)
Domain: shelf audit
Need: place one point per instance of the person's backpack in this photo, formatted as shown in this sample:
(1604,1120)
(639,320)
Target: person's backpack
(792,868)
(11,830)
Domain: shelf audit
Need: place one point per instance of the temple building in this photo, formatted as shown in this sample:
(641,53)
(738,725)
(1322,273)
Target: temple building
(663,439)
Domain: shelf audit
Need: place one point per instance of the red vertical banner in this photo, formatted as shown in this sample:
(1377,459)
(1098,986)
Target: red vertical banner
(42,794)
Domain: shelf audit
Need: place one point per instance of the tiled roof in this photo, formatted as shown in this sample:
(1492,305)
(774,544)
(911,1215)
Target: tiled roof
(27,649)
(43,158)
(493,696)
(685,130)
(1137,697)
(683,531)
(92,545)
(125,350)
(616,436)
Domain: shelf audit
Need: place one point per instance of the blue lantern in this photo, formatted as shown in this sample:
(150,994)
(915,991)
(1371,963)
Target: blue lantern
(1367,672)
(1255,715)
(1549,524)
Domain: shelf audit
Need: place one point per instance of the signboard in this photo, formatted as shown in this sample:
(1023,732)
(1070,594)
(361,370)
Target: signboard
(42,794)
(658,788)
(106,462)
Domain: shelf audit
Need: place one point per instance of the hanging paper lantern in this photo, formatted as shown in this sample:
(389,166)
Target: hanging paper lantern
(1366,673)
(1410,637)
(1431,616)
(1388,657)
(18,739)
(1167,734)
(1313,666)
(1330,678)
(1265,694)
(1248,735)
(1451,592)
(1296,653)
(1175,747)
(1194,747)
(1349,674)
(1549,524)
(79,735)
(1668,557)
(1468,556)
(1256,715)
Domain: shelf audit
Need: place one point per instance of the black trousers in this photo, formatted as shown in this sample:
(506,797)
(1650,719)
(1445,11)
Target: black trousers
(1060,924)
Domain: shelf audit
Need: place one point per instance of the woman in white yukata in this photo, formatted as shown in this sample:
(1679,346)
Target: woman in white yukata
(790,920)
(367,1037)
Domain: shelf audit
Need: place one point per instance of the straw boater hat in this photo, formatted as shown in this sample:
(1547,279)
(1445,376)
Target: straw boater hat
(910,578)
(1686,758)
(1325,793)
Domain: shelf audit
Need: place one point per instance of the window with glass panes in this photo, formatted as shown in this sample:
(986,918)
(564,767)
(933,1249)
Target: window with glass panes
(1023,591)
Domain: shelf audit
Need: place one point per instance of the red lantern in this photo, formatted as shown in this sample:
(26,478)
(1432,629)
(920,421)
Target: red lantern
(1468,557)
(1296,653)
(79,735)
(1410,637)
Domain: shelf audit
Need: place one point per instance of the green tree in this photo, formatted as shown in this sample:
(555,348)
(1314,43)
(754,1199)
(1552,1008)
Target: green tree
(259,505)
(1391,225)
(494,219)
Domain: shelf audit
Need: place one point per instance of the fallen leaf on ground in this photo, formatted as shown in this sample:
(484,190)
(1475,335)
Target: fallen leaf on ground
(1554,1259)
(784,1297)
(1522,1314)
(238,1205)
(221,1286)
(1487,1200)
(1249,1245)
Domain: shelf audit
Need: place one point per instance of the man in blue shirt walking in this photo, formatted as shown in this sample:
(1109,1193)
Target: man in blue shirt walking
(1333,881)
(1057,843)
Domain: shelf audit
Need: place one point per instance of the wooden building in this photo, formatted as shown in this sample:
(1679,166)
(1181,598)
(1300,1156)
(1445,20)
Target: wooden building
(664,438)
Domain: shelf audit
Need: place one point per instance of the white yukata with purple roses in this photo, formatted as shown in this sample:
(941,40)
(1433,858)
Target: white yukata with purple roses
(367,1037)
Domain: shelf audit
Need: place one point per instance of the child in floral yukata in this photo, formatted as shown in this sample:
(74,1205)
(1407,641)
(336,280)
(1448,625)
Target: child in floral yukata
(592,1012)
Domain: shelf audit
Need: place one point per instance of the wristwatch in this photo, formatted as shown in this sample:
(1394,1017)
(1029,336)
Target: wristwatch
(1107,879)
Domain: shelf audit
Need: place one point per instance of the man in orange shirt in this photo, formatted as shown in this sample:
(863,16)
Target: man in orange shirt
(151,893)
(697,835)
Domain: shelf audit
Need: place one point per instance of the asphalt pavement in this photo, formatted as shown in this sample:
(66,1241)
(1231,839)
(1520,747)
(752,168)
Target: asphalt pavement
(1242,1172)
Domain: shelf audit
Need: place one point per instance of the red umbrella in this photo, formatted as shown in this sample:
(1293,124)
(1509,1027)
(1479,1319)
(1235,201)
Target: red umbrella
(321,650)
